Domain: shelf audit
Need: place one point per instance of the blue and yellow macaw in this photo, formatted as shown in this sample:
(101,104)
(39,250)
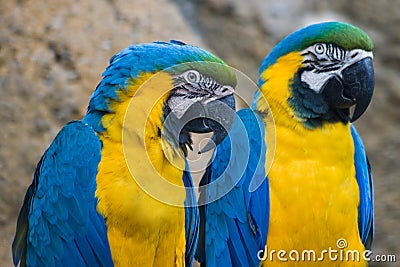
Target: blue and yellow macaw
(96,198)
(299,174)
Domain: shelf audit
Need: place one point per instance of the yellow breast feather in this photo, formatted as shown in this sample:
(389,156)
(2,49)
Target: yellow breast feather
(141,228)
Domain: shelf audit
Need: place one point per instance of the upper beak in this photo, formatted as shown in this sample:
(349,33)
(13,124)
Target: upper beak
(220,116)
(360,80)
(354,88)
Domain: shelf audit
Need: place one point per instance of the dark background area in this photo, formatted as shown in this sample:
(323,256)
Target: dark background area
(52,56)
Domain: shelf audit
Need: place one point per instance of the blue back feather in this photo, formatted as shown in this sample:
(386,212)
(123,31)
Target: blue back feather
(235,226)
(192,218)
(58,224)
(365,185)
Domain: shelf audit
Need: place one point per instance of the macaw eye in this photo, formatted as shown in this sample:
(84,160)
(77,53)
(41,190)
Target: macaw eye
(192,76)
(319,49)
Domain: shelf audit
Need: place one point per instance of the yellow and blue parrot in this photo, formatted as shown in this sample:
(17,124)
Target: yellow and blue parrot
(86,205)
(314,190)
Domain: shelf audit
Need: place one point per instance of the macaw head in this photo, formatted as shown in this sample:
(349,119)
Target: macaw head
(320,74)
(202,101)
(198,94)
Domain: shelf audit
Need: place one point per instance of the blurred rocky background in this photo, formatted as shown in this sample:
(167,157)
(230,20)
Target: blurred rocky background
(52,54)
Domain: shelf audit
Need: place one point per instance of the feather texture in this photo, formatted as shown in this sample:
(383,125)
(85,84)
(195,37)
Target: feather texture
(58,224)
(234,226)
(365,185)
(192,219)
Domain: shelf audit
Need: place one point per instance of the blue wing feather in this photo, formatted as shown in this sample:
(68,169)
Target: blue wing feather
(234,221)
(58,224)
(192,219)
(365,185)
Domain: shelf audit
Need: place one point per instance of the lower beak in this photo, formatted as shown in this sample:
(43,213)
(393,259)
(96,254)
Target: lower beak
(354,88)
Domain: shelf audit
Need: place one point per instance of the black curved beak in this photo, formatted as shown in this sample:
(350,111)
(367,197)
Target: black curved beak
(220,115)
(354,88)
(216,116)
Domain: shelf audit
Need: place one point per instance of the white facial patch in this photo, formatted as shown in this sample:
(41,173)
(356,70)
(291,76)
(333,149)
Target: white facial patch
(322,61)
(180,105)
(315,80)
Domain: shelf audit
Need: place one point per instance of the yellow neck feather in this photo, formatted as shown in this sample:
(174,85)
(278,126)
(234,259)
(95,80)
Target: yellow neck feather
(275,90)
